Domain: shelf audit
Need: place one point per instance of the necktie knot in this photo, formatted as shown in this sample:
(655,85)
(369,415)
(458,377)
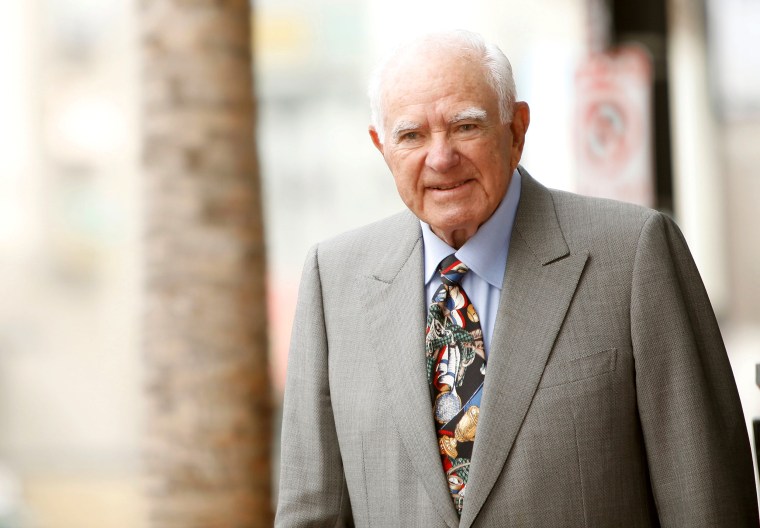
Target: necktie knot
(452,270)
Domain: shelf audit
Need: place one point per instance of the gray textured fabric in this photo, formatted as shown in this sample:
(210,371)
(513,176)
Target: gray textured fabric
(609,400)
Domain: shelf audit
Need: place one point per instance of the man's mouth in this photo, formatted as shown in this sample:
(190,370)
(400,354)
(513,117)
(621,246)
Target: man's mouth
(448,187)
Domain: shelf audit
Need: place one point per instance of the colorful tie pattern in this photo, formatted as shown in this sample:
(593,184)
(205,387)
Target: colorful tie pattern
(456,366)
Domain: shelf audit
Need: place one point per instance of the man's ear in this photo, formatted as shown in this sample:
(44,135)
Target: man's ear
(375,139)
(519,127)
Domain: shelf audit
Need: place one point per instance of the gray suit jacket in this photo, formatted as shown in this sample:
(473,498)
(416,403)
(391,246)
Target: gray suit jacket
(609,400)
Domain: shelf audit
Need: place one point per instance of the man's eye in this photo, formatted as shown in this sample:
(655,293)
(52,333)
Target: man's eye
(466,127)
(409,136)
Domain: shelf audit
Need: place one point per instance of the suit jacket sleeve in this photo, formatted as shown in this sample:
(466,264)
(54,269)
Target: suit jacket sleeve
(696,441)
(312,484)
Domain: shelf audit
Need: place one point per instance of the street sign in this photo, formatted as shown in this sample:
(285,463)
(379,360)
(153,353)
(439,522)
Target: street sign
(613,126)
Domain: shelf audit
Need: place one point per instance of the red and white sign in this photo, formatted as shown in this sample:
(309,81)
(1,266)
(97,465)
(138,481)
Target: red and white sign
(614,126)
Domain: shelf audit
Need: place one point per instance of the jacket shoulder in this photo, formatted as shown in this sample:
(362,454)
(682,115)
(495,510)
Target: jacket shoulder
(371,246)
(589,222)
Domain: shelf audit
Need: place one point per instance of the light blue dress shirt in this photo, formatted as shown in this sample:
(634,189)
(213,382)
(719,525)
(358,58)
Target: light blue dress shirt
(485,254)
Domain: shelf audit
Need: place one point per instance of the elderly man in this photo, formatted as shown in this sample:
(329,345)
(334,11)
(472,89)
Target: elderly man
(502,354)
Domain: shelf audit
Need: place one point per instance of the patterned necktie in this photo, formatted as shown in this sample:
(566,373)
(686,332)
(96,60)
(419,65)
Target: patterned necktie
(456,368)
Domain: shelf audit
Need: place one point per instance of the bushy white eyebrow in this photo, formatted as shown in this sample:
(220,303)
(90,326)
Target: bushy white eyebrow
(403,126)
(469,114)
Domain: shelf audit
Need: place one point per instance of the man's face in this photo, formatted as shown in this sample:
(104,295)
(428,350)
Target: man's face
(451,157)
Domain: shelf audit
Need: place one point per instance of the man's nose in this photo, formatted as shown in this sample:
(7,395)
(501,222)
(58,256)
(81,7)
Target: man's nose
(442,154)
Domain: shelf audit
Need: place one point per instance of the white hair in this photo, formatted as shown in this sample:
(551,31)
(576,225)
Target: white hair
(498,70)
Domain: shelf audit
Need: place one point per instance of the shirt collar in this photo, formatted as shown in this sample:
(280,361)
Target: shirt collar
(485,253)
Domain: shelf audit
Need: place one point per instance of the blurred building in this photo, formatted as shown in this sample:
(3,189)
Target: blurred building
(69,262)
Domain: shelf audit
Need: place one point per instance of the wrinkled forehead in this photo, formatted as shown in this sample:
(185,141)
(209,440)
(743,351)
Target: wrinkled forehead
(425,69)
(430,61)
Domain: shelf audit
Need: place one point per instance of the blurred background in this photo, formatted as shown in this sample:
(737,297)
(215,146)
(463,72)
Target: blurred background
(657,103)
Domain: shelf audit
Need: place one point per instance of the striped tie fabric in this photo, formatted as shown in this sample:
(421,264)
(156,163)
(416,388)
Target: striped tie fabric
(456,366)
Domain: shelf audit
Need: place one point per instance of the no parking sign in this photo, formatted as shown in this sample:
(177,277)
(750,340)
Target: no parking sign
(613,126)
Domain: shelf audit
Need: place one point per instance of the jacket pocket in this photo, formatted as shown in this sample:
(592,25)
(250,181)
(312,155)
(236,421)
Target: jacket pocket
(580,368)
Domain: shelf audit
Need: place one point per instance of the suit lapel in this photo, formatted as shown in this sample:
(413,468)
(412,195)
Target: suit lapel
(396,309)
(539,283)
